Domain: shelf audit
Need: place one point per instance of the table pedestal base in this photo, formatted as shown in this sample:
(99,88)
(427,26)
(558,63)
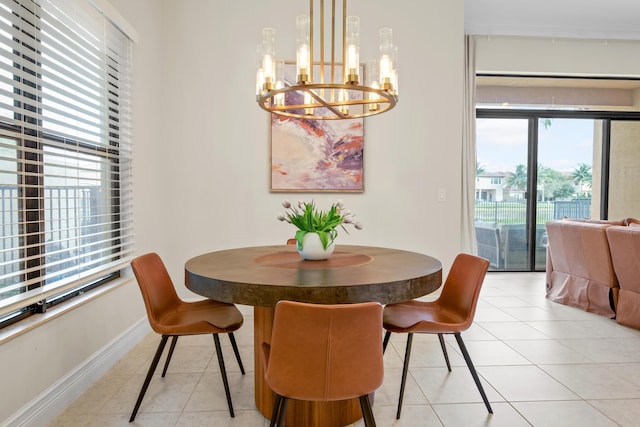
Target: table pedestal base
(299,413)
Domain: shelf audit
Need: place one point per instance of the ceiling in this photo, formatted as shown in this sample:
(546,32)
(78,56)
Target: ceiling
(596,19)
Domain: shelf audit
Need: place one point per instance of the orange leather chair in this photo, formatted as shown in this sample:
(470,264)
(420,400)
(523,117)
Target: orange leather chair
(451,313)
(324,353)
(172,317)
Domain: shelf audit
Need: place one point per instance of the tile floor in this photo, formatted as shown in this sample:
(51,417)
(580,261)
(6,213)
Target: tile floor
(541,363)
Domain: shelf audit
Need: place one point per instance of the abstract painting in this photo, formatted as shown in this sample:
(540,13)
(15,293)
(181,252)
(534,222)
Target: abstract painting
(316,155)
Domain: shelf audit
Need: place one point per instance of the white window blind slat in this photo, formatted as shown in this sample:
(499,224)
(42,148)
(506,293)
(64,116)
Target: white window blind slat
(68,72)
(79,39)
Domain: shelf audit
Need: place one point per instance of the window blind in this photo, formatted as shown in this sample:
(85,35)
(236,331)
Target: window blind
(65,150)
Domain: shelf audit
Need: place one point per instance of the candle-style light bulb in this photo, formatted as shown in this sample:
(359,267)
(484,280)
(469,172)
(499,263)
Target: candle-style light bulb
(373,74)
(387,56)
(259,72)
(268,58)
(343,97)
(307,101)
(303,54)
(352,55)
(278,99)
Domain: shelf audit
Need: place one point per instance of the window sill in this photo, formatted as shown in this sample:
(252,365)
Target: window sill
(35,320)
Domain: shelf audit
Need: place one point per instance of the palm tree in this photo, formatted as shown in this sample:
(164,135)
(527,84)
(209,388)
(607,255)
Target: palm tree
(517,180)
(479,169)
(581,176)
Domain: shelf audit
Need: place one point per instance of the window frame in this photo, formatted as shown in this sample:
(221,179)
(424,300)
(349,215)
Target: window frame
(114,152)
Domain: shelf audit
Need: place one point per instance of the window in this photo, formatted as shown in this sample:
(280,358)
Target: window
(566,148)
(496,181)
(65,152)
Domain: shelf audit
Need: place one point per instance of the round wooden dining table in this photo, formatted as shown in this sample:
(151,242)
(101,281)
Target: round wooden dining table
(261,276)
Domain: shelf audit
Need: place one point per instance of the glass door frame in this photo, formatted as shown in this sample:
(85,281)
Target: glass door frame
(533,116)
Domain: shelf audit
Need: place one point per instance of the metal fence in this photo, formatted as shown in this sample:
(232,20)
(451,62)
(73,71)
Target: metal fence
(69,228)
(515,212)
(501,233)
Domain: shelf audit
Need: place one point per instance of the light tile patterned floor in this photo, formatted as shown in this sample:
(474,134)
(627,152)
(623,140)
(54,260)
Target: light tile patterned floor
(541,363)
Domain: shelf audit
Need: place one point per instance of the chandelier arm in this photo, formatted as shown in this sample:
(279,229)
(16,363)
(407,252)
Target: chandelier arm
(384,101)
(344,41)
(311,40)
(325,104)
(333,41)
(279,109)
(322,41)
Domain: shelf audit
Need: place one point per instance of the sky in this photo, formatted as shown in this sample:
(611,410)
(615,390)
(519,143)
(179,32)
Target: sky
(502,144)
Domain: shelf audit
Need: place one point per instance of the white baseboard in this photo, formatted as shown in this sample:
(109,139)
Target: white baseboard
(41,410)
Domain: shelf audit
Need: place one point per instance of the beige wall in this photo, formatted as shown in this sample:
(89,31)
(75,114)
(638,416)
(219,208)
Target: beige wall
(42,357)
(202,150)
(624,170)
(551,56)
(596,170)
(201,166)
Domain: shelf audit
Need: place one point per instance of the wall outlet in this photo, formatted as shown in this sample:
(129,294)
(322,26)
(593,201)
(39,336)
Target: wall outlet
(442,194)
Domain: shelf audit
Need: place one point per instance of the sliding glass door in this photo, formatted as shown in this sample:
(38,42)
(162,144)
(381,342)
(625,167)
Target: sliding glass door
(501,191)
(531,169)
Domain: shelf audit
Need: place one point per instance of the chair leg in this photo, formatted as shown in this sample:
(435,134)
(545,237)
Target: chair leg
(367,412)
(172,347)
(235,351)
(147,380)
(282,413)
(275,411)
(275,414)
(474,374)
(223,372)
(405,370)
(387,335)
(444,351)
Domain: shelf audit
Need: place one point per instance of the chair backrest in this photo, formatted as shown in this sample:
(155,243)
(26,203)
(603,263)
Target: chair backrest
(462,287)
(157,289)
(325,352)
(624,244)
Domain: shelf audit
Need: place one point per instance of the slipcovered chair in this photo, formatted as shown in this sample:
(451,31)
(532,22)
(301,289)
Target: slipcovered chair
(324,353)
(451,313)
(169,316)
(624,243)
(579,268)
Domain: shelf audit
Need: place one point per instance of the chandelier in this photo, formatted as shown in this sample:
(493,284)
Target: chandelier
(311,94)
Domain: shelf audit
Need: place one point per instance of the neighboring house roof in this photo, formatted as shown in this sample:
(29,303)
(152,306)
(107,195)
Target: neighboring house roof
(492,175)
